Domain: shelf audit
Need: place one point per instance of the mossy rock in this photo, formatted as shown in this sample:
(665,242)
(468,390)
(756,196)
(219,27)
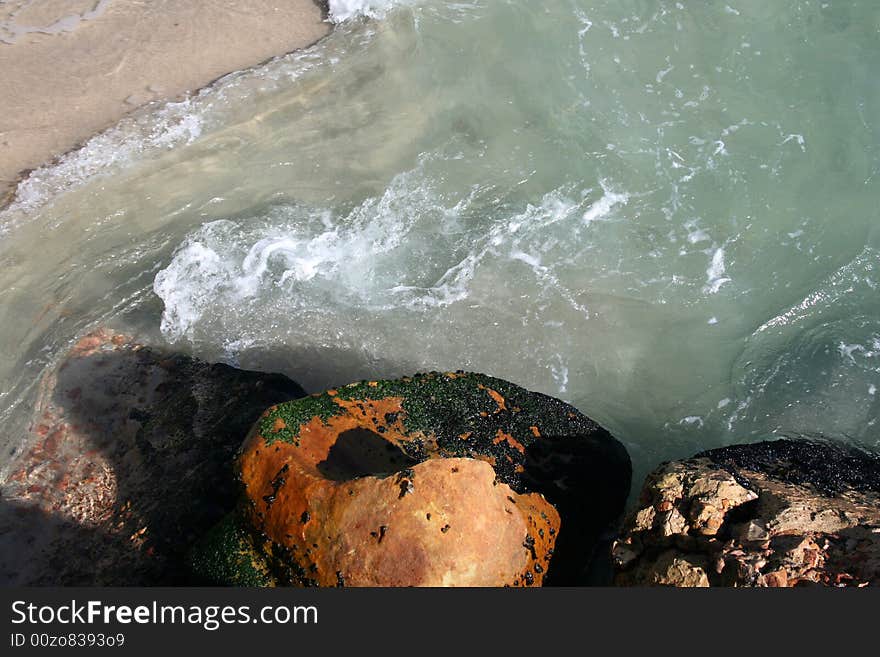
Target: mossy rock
(228,556)
(452,478)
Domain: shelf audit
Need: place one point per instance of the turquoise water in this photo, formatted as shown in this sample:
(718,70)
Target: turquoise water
(665,213)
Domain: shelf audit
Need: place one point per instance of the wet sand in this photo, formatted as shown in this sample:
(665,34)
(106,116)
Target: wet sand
(71,68)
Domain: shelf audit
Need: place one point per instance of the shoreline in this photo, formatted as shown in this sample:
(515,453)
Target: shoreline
(85,72)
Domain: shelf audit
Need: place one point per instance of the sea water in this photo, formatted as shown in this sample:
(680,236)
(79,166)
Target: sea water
(666,213)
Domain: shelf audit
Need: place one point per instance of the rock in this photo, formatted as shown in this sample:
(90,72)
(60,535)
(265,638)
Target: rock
(127,463)
(673,568)
(777,513)
(438,479)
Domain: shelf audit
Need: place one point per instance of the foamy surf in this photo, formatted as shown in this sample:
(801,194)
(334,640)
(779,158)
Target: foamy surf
(173,124)
(375,257)
(150,132)
(343,10)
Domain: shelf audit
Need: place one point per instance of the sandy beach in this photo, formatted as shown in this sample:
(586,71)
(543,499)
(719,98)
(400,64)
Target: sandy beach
(71,68)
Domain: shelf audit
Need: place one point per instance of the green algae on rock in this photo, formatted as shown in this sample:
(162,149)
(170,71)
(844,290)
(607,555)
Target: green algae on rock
(228,554)
(435,479)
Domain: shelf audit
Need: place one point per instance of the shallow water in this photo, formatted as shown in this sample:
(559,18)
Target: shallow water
(665,213)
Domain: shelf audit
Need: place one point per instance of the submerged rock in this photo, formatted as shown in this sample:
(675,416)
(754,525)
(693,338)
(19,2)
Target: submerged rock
(438,479)
(777,513)
(127,463)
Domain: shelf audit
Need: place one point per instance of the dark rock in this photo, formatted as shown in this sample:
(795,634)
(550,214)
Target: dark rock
(128,462)
(831,468)
(436,479)
(776,513)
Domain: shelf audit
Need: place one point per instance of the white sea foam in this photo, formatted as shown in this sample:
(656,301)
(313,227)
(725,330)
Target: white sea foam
(695,233)
(187,285)
(370,258)
(343,10)
(715,274)
(173,124)
(602,208)
(559,371)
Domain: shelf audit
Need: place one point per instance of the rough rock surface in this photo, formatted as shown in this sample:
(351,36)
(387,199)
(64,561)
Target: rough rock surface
(438,479)
(777,513)
(128,462)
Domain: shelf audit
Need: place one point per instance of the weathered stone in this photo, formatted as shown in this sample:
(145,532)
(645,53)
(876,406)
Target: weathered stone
(778,513)
(438,479)
(776,579)
(675,569)
(753,531)
(458,527)
(127,463)
(673,523)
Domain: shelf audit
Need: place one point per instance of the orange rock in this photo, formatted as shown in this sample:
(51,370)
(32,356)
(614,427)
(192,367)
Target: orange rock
(433,480)
(776,579)
(443,522)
